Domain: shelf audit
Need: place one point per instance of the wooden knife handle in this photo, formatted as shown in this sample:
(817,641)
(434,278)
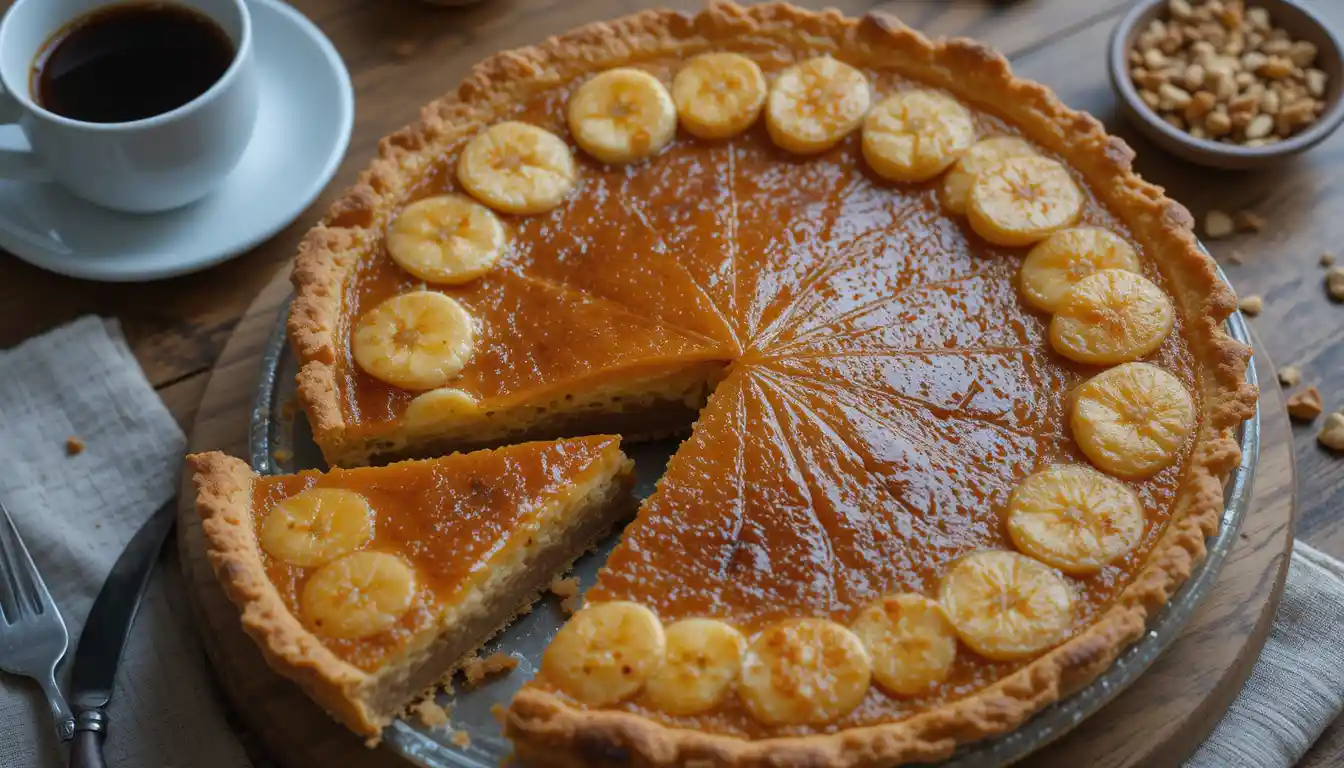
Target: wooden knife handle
(86,747)
(86,750)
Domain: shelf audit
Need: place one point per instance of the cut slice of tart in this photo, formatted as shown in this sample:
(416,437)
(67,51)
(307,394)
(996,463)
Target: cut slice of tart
(369,586)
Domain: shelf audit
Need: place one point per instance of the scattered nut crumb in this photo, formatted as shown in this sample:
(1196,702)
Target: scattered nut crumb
(1290,375)
(1223,72)
(282,454)
(1218,224)
(461,739)
(1334,283)
(1249,221)
(1327,259)
(477,670)
(73,446)
(1252,305)
(568,589)
(1332,432)
(430,713)
(1305,405)
(1235,258)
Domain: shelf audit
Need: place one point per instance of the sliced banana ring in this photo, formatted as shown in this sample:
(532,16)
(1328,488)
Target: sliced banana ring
(804,672)
(1110,317)
(1074,518)
(622,115)
(359,595)
(956,192)
(916,135)
(1022,200)
(911,642)
(316,525)
(815,104)
(1132,420)
(448,239)
(719,95)
(702,662)
(605,653)
(517,168)
(1058,262)
(437,408)
(417,340)
(1006,606)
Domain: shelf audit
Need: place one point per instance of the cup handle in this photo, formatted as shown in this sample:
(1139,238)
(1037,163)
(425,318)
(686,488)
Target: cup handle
(17,160)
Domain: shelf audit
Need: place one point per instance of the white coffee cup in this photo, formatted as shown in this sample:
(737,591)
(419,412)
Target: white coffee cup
(143,166)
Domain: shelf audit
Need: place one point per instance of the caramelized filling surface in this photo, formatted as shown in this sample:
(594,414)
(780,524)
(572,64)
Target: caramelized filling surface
(887,387)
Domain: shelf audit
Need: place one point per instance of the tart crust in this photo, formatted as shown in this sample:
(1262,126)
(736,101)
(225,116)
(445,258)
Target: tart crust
(543,726)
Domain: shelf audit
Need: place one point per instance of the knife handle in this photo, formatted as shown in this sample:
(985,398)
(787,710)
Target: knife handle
(86,749)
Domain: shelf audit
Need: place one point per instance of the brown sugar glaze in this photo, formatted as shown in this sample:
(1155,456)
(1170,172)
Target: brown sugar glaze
(886,385)
(447,517)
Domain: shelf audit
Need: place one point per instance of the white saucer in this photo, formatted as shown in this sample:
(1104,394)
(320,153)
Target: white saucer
(303,128)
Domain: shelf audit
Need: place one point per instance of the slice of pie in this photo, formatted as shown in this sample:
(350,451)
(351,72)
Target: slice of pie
(960,398)
(369,586)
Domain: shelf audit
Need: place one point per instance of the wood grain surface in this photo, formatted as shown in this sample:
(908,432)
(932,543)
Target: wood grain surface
(1157,722)
(402,53)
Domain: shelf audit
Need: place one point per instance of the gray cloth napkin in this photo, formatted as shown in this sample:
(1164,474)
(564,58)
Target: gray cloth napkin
(75,514)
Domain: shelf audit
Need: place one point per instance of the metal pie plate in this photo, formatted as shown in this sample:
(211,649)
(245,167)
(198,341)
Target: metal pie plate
(272,434)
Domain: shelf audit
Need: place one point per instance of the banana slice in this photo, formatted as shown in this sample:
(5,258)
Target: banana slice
(448,239)
(815,104)
(719,95)
(981,155)
(1058,262)
(1022,200)
(1132,420)
(416,340)
(517,168)
(911,642)
(916,135)
(358,595)
(1074,518)
(606,652)
(316,526)
(1113,316)
(1006,606)
(804,672)
(701,665)
(622,115)
(432,410)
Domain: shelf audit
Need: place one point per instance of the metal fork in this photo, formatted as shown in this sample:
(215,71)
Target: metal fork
(33,638)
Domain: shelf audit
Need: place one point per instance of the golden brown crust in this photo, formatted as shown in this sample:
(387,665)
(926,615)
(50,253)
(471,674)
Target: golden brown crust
(544,727)
(224,502)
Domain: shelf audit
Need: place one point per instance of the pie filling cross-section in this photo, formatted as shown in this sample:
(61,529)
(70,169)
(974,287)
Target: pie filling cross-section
(368,587)
(960,402)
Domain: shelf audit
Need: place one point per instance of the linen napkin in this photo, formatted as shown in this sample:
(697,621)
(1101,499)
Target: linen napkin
(76,513)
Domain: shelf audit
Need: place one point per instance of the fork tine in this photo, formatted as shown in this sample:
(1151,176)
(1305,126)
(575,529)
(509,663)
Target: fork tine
(19,574)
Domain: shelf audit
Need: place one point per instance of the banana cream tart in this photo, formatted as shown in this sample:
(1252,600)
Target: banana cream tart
(369,586)
(960,404)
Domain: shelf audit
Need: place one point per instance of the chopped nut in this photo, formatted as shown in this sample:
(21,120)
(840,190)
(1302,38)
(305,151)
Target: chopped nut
(1258,18)
(1334,283)
(1302,53)
(1249,221)
(1217,224)
(461,739)
(1150,98)
(1173,97)
(1327,259)
(1270,102)
(1259,127)
(1305,405)
(73,446)
(1193,77)
(1316,83)
(430,713)
(1218,123)
(1251,305)
(1290,375)
(1179,9)
(1332,432)
(1200,105)
(1175,121)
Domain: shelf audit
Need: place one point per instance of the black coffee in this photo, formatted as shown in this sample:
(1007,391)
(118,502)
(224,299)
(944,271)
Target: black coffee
(130,61)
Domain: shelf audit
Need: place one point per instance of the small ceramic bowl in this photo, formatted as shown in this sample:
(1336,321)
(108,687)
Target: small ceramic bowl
(1301,24)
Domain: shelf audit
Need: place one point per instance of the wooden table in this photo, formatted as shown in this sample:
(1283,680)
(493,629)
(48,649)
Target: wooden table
(401,54)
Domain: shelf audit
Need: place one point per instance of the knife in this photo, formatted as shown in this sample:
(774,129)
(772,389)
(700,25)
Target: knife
(105,633)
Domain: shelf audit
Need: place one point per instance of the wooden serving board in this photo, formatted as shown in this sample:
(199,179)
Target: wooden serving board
(1157,722)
